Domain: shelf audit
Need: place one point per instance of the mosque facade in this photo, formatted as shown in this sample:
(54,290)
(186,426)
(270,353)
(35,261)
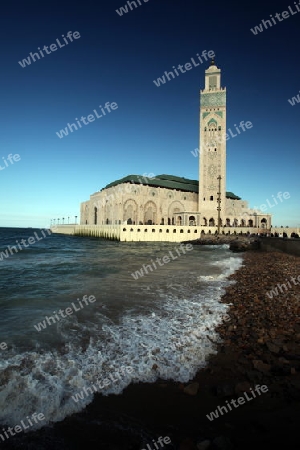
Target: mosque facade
(167,200)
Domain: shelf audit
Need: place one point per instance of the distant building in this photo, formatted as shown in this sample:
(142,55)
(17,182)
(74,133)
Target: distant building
(171,200)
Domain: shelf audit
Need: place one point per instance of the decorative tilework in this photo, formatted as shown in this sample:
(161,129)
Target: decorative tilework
(213,99)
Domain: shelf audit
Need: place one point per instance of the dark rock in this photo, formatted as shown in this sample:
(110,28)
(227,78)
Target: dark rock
(244,386)
(204,445)
(223,443)
(225,390)
(191,389)
(261,366)
(273,348)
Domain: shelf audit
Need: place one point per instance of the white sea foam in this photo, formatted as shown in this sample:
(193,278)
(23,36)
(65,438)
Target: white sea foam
(170,343)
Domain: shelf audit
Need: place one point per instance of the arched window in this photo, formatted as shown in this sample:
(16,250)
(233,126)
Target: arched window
(192,220)
(211,222)
(263,223)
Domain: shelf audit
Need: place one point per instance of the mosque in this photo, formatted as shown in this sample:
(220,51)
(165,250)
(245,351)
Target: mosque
(140,204)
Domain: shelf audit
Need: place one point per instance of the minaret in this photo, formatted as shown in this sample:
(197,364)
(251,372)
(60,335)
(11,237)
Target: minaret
(212,159)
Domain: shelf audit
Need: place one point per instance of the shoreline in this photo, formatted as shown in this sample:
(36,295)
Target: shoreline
(261,345)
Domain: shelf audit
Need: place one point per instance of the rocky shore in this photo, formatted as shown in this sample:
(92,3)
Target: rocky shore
(260,346)
(237,243)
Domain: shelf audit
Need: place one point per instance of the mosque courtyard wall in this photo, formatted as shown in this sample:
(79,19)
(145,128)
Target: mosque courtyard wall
(164,233)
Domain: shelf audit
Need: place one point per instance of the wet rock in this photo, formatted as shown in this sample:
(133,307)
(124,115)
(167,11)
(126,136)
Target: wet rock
(282,360)
(244,386)
(204,445)
(261,366)
(225,390)
(223,443)
(187,444)
(273,348)
(191,389)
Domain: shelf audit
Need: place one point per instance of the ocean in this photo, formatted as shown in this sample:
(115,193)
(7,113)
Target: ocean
(85,315)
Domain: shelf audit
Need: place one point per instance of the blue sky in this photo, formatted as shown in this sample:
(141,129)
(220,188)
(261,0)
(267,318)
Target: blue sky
(154,129)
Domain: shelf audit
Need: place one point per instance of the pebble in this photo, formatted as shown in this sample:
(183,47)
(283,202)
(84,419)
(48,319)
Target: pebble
(191,389)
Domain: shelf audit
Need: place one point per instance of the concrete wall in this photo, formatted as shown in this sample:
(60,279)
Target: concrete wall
(112,232)
(291,246)
(147,233)
(63,229)
(172,233)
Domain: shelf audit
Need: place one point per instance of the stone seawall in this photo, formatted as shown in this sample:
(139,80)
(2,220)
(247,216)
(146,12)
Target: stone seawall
(169,233)
(149,233)
(291,246)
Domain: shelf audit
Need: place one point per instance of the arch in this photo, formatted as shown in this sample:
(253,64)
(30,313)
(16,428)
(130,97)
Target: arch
(130,209)
(150,213)
(174,207)
(243,222)
(250,223)
(235,223)
(212,123)
(263,223)
(228,222)
(192,220)
(204,221)
(211,222)
(95,215)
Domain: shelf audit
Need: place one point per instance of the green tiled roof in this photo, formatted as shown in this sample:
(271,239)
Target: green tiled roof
(232,196)
(165,181)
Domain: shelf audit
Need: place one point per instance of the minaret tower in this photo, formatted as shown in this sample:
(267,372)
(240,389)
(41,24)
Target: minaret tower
(212,159)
